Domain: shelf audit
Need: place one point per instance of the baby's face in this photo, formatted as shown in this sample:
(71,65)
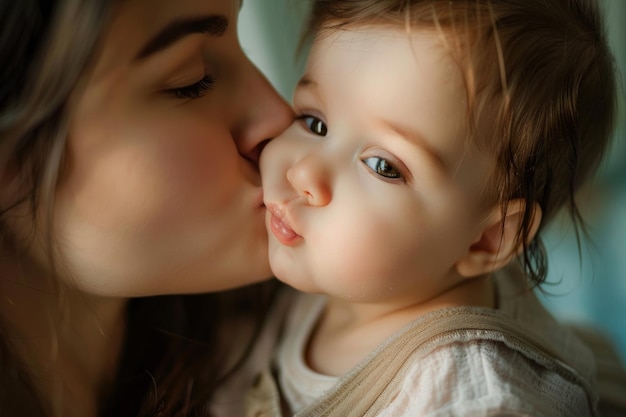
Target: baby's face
(374,192)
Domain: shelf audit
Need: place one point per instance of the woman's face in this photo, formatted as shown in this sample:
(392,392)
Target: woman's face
(160,191)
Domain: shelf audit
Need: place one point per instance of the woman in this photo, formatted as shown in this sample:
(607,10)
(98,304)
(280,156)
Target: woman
(129,137)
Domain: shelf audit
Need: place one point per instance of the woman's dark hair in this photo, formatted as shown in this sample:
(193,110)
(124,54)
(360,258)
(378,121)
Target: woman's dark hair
(180,350)
(42,61)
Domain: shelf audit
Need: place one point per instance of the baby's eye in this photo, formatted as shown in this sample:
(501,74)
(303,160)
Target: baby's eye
(381,167)
(315,125)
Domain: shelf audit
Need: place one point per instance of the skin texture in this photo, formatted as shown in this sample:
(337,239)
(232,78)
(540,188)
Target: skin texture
(377,103)
(159,193)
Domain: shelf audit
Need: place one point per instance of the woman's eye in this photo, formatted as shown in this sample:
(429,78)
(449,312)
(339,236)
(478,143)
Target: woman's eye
(315,125)
(381,167)
(195,90)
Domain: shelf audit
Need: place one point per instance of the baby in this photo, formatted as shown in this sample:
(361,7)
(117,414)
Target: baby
(434,142)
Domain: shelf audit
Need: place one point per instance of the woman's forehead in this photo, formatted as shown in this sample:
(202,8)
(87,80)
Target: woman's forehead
(138,23)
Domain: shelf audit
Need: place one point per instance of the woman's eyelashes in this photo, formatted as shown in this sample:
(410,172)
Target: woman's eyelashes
(195,90)
(313,124)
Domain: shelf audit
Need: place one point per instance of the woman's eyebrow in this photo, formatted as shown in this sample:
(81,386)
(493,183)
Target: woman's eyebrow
(214,25)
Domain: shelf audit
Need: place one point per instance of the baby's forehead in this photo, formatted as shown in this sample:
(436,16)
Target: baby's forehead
(407,83)
(424,48)
(427,58)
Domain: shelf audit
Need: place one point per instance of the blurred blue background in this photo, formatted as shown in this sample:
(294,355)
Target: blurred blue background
(590,288)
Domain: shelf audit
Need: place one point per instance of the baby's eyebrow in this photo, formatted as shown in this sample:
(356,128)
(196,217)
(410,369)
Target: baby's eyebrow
(309,86)
(306,81)
(416,139)
(213,25)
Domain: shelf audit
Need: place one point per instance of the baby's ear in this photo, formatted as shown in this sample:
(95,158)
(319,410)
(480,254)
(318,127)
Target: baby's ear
(496,244)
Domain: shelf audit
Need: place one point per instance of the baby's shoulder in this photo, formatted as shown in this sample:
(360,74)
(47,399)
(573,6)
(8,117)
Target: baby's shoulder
(488,377)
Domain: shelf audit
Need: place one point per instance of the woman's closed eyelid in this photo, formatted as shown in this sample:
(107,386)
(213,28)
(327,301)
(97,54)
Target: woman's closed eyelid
(194,90)
(187,71)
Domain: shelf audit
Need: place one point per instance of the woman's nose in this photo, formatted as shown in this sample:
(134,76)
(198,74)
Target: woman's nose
(311,179)
(265,114)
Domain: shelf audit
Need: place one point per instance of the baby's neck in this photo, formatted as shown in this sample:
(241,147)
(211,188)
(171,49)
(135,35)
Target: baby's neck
(347,332)
(70,343)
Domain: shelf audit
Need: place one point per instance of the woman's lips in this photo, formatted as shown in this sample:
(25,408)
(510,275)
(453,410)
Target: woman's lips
(279,227)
